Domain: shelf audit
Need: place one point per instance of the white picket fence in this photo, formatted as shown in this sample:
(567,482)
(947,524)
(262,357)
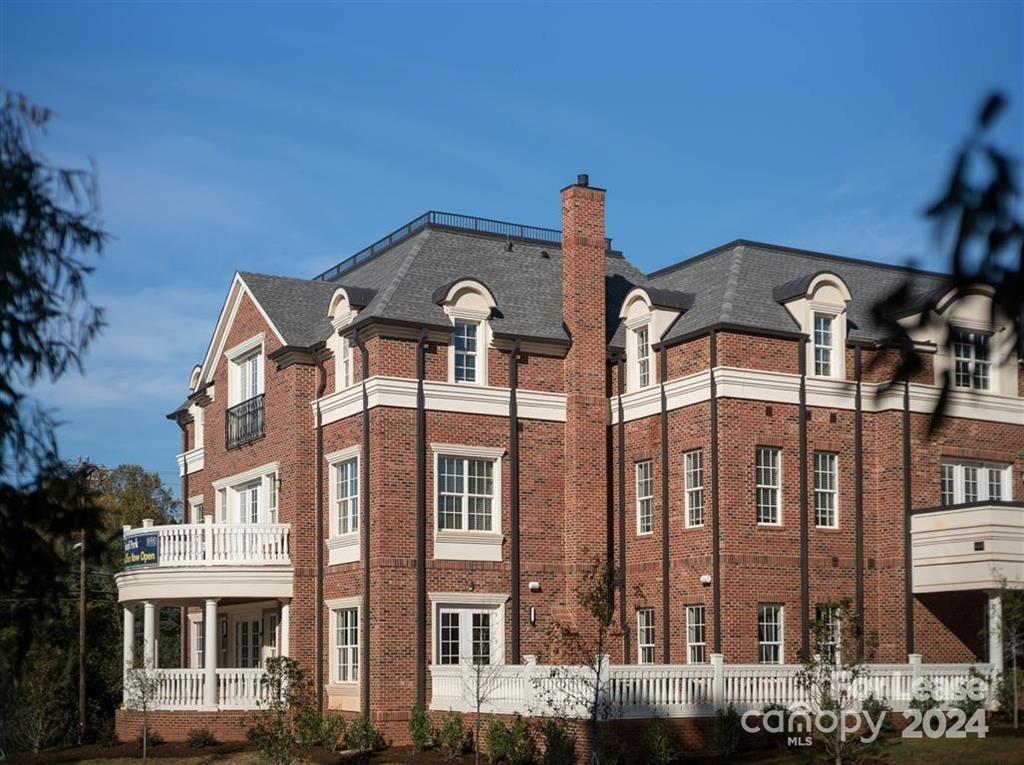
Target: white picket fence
(218,544)
(688,690)
(183,688)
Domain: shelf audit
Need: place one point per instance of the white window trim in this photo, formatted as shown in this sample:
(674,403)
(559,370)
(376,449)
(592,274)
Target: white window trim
(193,502)
(689,644)
(340,604)
(778,489)
(654,638)
(637,498)
(236,354)
(633,327)
(469,601)
(464,544)
(835,491)
(343,548)
(833,351)
(232,485)
(687,489)
(1005,471)
(993,368)
(782,634)
(483,342)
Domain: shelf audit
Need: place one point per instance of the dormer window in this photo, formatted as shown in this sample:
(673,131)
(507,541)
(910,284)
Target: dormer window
(643,357)
(823,345)
(344,363)
(465,344)
(248,377)
(972,361)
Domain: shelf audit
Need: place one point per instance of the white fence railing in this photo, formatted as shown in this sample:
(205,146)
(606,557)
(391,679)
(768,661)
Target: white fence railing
(217,544)
(184,689)
(688,690)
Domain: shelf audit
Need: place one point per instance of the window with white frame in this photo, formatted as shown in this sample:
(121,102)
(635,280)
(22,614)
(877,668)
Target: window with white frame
(465,494)
(696,635)
(222,506)
(826,481)
(200,638)
(968,481)
(644,498)
(343,366)
(643,356)
(823,344)
(769,484)
(249,503)
(827,631)
(346,645)
(195,510)
(693,473)
(272,499)
(465,344)
(346,496)
(247,376)
(769,634)
(972,364)
(249,497)
(645,635)
(247,643)
(468,635)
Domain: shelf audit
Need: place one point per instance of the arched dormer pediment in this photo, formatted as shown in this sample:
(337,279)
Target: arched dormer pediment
(194,377)
(823,287)
(345,304)
(466,294)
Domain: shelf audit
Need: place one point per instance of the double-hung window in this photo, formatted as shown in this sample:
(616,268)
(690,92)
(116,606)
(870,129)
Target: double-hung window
(966,482)
(769,634)
(823,345)
(972,364)
(346,496)
(696,635)
(827,617)
(769,484)
(693,473)
(644,498)
(344,365)
(465,494)
(645,635)
(643,357)
(826,479)
(465,339)
(346,645)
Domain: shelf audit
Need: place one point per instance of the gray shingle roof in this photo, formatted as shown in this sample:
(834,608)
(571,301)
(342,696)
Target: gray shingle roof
(739,284)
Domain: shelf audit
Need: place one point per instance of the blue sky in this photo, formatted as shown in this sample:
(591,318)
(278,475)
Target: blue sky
(283,137)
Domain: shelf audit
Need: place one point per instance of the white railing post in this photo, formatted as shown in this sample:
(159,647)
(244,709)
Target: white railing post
(718,681)
(208,539)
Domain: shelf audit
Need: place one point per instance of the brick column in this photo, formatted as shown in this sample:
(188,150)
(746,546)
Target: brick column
(583,311)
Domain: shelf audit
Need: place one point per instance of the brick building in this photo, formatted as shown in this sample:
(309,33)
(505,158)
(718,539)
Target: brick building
(405,463)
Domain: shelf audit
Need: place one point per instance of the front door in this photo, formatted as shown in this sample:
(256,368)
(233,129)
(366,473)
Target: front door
(269,649)
(247,643)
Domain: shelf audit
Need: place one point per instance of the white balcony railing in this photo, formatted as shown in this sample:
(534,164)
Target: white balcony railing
(207,544)
(689,690)
(184,688)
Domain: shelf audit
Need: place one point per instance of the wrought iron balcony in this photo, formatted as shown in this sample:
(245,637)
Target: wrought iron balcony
(244,422)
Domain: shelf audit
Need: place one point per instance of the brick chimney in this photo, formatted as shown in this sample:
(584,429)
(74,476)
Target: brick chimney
(583,310)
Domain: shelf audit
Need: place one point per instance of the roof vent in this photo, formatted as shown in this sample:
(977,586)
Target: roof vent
(582,179)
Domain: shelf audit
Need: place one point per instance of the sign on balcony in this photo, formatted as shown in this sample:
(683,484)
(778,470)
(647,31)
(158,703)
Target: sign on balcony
(142,550)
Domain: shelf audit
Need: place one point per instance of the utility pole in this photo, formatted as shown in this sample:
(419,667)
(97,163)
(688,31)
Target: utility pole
(81,636)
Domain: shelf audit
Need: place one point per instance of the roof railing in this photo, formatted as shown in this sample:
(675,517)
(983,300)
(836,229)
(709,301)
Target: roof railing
(448,220)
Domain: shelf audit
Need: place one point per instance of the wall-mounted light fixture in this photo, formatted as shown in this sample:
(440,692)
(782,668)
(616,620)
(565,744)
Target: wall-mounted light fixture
(705,579)
(534,586)
(533,615)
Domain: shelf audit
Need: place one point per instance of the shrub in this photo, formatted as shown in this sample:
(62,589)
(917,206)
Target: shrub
(874,706)
(315,729)
(421,731)
(154,738)
(558,744)
(779,739)
(453,737)
(727,731)
(197,738)
(363,736)
(512,744)
(968,705)
(659,742)
(1004,690)
(611,749)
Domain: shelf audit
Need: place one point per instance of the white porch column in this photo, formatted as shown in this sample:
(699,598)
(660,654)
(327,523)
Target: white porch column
(210,653)
(149,635)
(286,625)
(128,646)
(995,631)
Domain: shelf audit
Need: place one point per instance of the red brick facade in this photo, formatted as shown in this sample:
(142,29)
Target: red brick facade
(570,492)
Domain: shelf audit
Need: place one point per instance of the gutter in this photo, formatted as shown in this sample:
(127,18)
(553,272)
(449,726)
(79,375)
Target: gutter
(364,639)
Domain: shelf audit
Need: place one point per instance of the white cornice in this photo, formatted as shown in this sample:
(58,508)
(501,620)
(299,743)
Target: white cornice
(191,461)
(245,476)
(469,598)
(352,601)
(343,454)
(460,450)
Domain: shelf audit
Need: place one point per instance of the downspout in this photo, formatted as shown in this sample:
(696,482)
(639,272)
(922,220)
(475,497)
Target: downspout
(665,610)
(513,491)
(421,524)
(716,558)
(318,605)
(805,577)
(858,498)
(623,619)
(364,640)
(908,571)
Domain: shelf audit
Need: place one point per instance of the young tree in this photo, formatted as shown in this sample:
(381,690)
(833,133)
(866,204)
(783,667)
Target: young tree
(479,682)
(575,686)
(142,684)
(274,729)
(1011,630)
(829,678)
